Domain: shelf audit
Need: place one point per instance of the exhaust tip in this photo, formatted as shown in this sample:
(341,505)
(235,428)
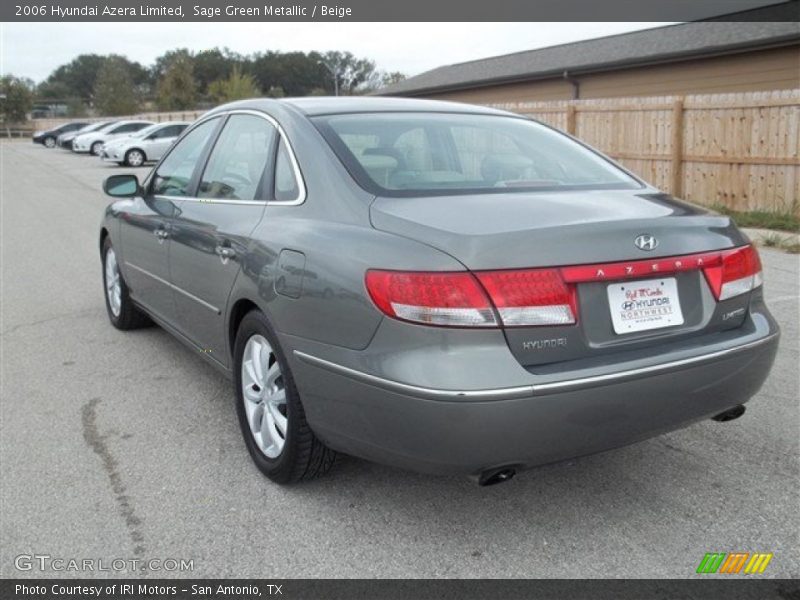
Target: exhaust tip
(495,476)
(730,414)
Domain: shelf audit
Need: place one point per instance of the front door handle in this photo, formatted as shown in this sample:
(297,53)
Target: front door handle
(226,253)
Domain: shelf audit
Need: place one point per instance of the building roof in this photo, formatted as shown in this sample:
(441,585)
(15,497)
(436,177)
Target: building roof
(650,46)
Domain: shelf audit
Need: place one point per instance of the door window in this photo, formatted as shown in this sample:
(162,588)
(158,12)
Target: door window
(175,172)
(286,188)
(237,163)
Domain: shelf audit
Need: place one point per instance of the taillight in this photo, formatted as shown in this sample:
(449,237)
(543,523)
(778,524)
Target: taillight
(522,298)
(530,297)
(452,299)
(737,272)
(535,297)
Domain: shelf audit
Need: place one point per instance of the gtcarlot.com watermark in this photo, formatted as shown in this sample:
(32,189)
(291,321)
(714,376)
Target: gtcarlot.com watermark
(46,562)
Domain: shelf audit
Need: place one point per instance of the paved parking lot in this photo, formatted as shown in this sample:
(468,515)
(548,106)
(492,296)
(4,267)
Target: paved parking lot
(125,445)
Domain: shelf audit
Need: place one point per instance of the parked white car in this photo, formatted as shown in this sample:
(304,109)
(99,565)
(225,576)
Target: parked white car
(93,142)
(145,145)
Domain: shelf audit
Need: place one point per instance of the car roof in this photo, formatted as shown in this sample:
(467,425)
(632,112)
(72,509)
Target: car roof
(330,105)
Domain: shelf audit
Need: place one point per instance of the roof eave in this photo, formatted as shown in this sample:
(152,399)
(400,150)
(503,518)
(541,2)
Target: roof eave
(783,41)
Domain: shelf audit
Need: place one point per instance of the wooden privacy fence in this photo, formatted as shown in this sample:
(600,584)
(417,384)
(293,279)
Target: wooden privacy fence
(738,150)
(157,117)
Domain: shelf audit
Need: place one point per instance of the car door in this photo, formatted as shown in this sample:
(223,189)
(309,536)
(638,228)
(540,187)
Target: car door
(159,141)
(211,232)
(146,224)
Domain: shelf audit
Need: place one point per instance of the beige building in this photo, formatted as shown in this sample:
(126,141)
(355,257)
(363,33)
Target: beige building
(689,58)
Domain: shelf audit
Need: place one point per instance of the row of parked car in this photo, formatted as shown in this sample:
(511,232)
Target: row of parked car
(125,142)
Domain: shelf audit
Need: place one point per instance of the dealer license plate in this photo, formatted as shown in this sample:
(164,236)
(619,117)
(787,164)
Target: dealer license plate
(642,305)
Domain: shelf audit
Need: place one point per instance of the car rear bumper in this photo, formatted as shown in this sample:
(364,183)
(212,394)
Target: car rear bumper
(534,420)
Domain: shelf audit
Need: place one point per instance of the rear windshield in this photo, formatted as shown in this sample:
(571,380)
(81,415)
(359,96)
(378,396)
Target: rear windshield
(412,154)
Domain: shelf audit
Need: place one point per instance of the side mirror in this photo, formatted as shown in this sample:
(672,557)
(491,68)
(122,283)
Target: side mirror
(122,186)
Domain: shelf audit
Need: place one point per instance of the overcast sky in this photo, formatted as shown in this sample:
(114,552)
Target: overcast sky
(35,49)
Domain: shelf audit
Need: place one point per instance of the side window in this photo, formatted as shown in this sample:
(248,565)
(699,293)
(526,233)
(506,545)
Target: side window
(174,173)
(238,160)
(168,132)
(286,188)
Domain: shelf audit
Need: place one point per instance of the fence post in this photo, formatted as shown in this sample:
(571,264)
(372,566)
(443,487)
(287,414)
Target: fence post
(677,148)
(571,116)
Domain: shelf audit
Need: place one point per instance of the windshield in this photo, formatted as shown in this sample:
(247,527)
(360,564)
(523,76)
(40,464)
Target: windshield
(415,153)
(92,127)
(146,131)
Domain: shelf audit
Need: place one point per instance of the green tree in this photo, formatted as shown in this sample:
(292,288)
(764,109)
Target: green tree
(296,73)
(115,92)
(236,87)
(392,78)
(350,75)
(177,88)
(78,78)
(215,65)
(16,99)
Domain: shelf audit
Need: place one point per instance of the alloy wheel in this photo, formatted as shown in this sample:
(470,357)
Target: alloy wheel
(113,283)
(135,158)
(264,396)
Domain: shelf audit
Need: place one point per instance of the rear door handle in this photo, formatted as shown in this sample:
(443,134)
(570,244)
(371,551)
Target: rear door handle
(161,234)
(225,253)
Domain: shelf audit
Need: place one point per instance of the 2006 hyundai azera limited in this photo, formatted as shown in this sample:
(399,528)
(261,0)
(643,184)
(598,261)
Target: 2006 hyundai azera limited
(438,286)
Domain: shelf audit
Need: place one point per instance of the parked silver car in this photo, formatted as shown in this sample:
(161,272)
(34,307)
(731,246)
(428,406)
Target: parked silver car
(92,142)
(438,286)
(65,139)
(147,144)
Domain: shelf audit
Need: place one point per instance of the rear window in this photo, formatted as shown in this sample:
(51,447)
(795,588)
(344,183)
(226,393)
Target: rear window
(411,154)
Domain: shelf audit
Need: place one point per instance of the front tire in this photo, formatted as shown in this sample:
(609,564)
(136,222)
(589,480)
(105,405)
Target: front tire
(271,416)
(49,142)
(122,312)
(134,158)
(96,148)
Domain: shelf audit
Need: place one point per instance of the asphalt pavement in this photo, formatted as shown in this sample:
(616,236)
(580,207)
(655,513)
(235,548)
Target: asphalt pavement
(125,445)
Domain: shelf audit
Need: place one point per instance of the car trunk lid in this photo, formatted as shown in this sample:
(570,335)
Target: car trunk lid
(490,232)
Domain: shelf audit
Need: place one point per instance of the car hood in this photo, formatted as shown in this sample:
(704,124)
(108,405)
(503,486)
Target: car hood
(524,229)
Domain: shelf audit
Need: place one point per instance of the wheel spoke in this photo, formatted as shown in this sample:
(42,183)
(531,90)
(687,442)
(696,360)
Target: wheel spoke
(255,355)
(280,421)
(268,432)
(272,374)
(251,372)
(251,394)
(257,418)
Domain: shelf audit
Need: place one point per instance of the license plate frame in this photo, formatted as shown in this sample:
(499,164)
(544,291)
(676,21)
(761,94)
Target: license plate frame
(644,305)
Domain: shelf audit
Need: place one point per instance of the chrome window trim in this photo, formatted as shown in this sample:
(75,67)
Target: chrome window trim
(213,200)
(298,174)
(524,391)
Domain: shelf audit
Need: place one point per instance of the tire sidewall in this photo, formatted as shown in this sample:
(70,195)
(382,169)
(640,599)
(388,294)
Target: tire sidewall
(278,469)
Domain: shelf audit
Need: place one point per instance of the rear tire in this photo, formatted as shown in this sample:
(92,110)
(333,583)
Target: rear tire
(122,312)
(262,378)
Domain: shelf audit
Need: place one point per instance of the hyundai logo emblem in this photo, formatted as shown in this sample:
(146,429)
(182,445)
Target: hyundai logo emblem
(646,242)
